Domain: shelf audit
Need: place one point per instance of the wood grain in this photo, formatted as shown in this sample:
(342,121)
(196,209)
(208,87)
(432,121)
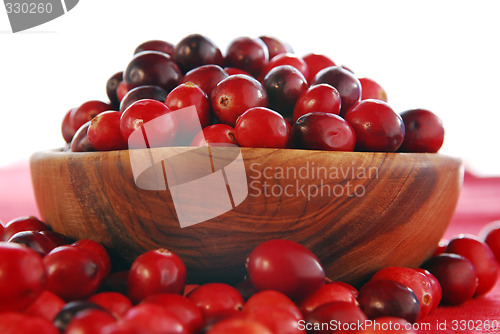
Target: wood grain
(358,212)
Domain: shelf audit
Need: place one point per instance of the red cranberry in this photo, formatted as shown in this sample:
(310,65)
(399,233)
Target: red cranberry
(33,240)
(196,50)
(104,132)
(22,277)
(206,77)
(89,322)
(262,127)
(20,224)
(284,84)
(234,70)
(217,300)
(100,253)
(424,131)
(285,266)
(70,310)
(217,134)
(272,298)
(112,86)
(80,141)
(370,89)
(160,132)
(435,288)
(66,128)
(377,126)
(14,323)
(156,271)
(153,319)
(338,315)
(248,54)
(141,93)
(156,45)
(114,302)
(456,275)
(238,325)
(315,63)
(344,81)
(287,59)
(318,98)
(47,305)
(491,236)
(122,90)
(236,94)
(481,257)
(277,320)
(326,294)
(275,46)
(441,247)
(152,68)
(86,112)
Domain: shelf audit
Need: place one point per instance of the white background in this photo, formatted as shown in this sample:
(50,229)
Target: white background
(439,55)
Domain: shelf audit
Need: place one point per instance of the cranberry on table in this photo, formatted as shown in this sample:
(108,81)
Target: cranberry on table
(328,293)
(143,92)
(284,85)
(217,301)
(206,77)
(275,46)
(89,322)
(114,302)
(25,223)
(236,94)
(262,127)
(104,132)
(272,298)
(377,126)
(66,128)
(285,266)
(491,236)
(424,131)
(80,141)
(33,240)
(86,112)
(156,45)
(240,326)
(216,134)
(112,86)
(248,54)
(47,305)
(338,314)
(286,59)
(315,63)
(16,323)
(196,50)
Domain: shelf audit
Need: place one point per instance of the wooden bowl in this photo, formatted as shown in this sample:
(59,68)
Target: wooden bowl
(358,212)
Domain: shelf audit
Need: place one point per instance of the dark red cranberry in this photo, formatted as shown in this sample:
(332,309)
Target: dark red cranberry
(20,224)
(276,319)
(152,68)
(271,298)
(22,277)
(196,50)
(286,59)
(104,132)
(33,240)
(248,54)
(344,81)
(424,131)
(89,322)
(80,141)
(377,126)
(66,128)
(114,302)
(70,310)
(262,127)
(86,112)
(217,135)
(456,275)
(111,87)
(318,98)
(57,238)
(115,282)
(491,236)
(239,325)
(246,288)
(285,266)
(275,46)
(323,131)
(337,314)
(206,77)
(315,63)
(217,300)
(47,305)
(14,323)
(156,45)
(143,92)
(284,84)
(370,89)
(236,94)
(328,293)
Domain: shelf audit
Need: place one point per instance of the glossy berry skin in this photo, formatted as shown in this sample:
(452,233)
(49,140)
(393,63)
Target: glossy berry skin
(323,131)
(21,224)
(100,253)
(234,70)
(456,275)
(66,128)
(286,59)
(315,63)
(156,45)
(285,266)
(262,127)
(143,92)
(16,323)
(156,271)
(152,68)
(377,126)
(240,326)
(33,240)
(114,302)
(80,141)
(217,301)
(112,86)
(344,81)
(328,293)
(122,90)
(86,112)
(271,298)
(89,322)
(424,131)
(104,132)
(160,132)
(437,292)
(481,257)
(206,77)
(216,135)
(154,319)
(196,50)
(275,46)
(249,54)
(22,277)
(383,297)
(235,95)
(491,236)
(284,84)
(370,89)
(276,319)
(47,306)
(318,98)
(334,313)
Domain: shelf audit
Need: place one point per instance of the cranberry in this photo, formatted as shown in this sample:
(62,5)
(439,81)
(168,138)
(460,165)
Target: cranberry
(315,63)
(47,305)
(22,277)
(160,132)
(181,307)
(236,94)
(33,240)
(248,54)
(66,128)
(153,319)
(240,326)
(318,98)
(234,70)
(152,68)
(57,238)
(14,323)
(384,297)
(491,236)
(156,45)
(206,77)
(80,141)
(285,266)
(272,298)
(141,93)
(156,271)
(377,126)
(189,288)
(370,89)
(353,290)
(276,319)
(275,46)
(435,288)
(337,315)
(114,302)
(122,90)
(112,86)
(196,50)
(216,301)
(456,275)
(286,59)
(101,254)
(481,257)
(86,112)
(326,294)
(72,272)
(20,224)
(89,322)
(284,84)
(70,310)
(262,127)
(217,134)
(344,81)
(104,132)
(424,131)
(441,247)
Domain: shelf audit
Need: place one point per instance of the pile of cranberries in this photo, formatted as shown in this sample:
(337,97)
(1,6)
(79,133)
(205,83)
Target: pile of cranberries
(259,94)
(50,284)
